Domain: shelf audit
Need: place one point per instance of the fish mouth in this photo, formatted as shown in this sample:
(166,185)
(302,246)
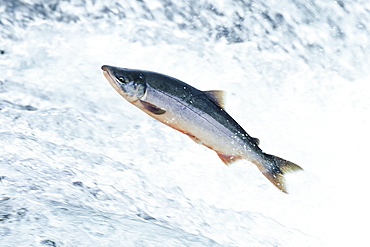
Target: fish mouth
(106,67)
(107,72)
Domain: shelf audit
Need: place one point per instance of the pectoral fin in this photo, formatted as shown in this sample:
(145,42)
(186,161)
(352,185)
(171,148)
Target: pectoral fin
(152,108)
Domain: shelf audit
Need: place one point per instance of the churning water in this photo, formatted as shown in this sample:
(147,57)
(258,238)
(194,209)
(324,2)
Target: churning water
(79,166)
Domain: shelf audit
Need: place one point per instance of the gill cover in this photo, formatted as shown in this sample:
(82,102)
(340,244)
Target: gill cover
(131,85)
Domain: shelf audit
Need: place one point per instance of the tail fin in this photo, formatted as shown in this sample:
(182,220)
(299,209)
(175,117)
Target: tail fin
(274,168)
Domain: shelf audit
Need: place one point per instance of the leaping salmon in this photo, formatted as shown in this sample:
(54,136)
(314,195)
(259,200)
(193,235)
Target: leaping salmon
(198,114)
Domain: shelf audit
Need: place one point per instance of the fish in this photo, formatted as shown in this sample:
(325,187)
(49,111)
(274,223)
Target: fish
(198,114)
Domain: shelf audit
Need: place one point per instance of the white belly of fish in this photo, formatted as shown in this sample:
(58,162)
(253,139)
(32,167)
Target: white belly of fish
(197,124)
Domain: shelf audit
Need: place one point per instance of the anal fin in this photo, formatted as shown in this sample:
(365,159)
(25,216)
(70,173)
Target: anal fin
(228,159)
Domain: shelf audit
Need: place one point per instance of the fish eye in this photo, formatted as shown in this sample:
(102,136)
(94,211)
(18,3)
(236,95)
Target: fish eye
(123,79)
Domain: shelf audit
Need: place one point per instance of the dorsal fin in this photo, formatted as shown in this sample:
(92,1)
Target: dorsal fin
(216,96)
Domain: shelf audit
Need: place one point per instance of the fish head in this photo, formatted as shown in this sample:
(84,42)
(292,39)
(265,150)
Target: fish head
(127,82)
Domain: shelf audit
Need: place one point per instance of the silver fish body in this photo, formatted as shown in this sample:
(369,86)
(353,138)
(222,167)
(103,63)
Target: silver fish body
(198,114)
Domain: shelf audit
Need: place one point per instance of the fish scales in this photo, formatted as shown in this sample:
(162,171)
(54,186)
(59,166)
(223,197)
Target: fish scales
(198,114)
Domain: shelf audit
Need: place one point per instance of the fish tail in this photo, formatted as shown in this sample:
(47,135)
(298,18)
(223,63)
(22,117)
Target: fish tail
(274,168)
